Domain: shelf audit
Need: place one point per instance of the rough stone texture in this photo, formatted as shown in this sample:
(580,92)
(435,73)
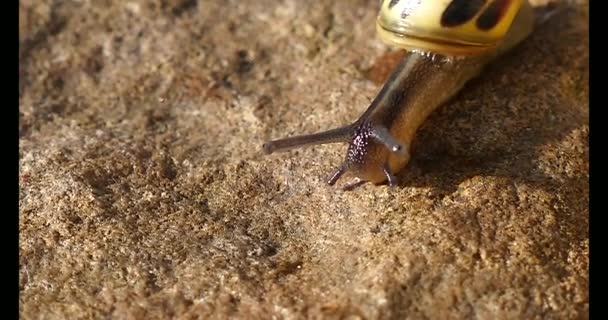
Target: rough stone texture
(144,193)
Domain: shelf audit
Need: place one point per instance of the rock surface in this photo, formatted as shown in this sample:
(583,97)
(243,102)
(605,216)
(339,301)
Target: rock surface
(144,193)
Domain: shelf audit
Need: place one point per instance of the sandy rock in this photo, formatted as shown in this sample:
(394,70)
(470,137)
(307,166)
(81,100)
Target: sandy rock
(144,193)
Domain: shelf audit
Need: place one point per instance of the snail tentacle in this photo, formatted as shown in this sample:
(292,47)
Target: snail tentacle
(382,135)
(336,175)
(390,177)
(342,134)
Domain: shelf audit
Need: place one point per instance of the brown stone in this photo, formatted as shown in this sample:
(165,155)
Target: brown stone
(144,193)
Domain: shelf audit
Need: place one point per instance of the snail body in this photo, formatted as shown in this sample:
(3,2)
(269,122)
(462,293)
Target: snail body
(448,42)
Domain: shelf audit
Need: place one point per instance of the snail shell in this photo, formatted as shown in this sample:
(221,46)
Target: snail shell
(448,42)
(456,27)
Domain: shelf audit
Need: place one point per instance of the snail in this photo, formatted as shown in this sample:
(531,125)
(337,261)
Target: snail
(448,42)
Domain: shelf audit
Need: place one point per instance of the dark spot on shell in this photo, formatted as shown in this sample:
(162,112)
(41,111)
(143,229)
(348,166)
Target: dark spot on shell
(492,15)
(459,12)
(392,3)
